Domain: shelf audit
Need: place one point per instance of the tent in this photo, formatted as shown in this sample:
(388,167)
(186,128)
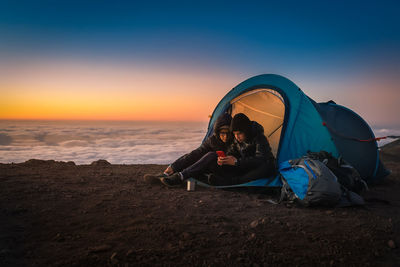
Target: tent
(295,124)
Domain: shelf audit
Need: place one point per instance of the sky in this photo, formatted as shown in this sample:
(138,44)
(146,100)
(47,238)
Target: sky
(174,60)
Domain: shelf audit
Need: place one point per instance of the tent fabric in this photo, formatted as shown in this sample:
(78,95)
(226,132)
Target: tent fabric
(270,182)
(345,126)
(272,100)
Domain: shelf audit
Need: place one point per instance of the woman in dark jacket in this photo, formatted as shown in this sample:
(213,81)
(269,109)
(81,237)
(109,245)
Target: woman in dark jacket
(200,160)
(249,156)
(216,142)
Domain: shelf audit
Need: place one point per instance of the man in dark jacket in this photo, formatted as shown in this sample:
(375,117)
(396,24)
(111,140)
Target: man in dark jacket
(201,160)
(249,157)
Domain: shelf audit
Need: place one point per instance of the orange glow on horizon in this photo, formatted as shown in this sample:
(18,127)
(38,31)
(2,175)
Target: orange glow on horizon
(73,90)
(103,107)
(76,92)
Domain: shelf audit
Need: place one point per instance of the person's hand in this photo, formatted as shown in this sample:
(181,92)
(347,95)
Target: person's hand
(228,160)
(169,170)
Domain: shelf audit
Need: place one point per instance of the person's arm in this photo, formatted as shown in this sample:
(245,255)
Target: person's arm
(233,150)
(262,154)
(228,160)
(232,156)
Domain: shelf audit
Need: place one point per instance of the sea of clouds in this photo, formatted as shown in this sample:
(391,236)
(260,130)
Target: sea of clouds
(117,142)
(386,131)
(84,142)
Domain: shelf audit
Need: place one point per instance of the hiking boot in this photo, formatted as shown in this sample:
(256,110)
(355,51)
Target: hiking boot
(153,179)
(173,180)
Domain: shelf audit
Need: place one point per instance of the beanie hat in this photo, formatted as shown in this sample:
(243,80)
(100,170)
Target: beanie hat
(223,121)
(242,123)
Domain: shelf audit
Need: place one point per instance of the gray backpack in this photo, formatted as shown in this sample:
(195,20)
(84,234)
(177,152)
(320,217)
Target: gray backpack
(310,182)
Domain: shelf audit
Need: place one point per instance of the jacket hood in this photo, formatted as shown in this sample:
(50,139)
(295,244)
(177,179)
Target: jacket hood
(256,129)
(223,120)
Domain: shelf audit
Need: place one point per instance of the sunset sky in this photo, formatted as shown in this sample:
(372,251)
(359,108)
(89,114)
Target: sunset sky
(174,60)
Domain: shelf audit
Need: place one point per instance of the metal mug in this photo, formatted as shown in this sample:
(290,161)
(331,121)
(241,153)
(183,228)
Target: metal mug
(191,185)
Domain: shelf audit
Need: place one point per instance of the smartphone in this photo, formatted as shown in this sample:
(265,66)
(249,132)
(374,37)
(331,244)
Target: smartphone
(221,154)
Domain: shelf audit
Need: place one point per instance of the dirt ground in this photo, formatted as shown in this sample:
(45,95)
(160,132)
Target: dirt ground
(59,214)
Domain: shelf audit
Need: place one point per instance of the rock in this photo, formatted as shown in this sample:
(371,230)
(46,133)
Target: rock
(113,256)
(130,252)
(254,224)
(100,162)
(391,244)
(101,248)
(59,238)
(113,259)
(169,246)
(186,236)
(252,236)
(38,162)
(222,234)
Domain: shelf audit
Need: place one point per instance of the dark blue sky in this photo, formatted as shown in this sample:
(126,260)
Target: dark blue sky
(250,33)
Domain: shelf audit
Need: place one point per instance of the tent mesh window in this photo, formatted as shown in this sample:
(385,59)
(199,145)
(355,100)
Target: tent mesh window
(265,106)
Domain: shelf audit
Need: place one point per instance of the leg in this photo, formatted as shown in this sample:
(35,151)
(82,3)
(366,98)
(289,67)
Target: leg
(204,164)
(207,163)
(262,171)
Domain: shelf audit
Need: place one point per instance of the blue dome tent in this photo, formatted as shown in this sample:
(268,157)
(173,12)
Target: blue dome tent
(295,124)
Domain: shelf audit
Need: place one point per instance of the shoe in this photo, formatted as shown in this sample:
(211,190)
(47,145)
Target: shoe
(153,179)
(173,180)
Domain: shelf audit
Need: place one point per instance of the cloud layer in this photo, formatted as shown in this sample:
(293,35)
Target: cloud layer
(116,142)
(84,142)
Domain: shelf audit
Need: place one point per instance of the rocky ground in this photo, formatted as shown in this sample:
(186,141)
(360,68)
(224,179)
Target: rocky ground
(60,214)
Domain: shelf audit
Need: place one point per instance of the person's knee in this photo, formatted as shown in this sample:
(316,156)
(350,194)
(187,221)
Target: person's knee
(210,156)
(209,160)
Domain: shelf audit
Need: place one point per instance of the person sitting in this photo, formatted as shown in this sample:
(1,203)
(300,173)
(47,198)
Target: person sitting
(249,156)
(201,160)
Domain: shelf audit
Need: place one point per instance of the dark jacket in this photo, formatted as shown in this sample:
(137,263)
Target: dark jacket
(212,143)
(254,152)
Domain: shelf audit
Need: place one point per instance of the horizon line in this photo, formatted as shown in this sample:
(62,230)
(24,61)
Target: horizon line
(114,120)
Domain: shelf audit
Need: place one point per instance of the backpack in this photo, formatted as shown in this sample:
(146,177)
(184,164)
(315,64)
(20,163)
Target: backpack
(346,174)
(310,182)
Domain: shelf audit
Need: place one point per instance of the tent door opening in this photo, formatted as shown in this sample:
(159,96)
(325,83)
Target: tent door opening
(265,106)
